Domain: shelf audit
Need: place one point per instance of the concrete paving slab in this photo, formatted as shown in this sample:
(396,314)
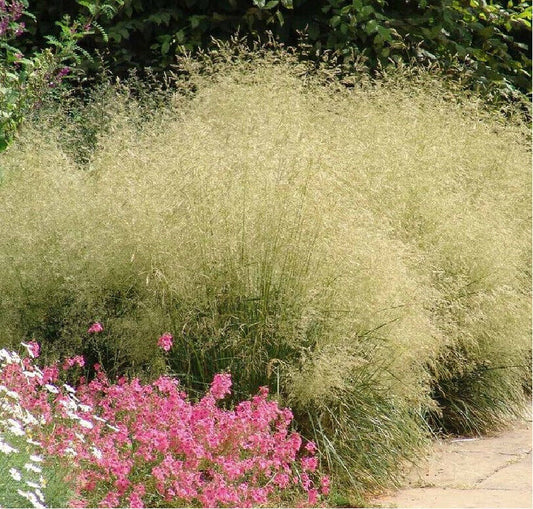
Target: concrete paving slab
(451,467)
(449,497)
(514,476)
(492,471)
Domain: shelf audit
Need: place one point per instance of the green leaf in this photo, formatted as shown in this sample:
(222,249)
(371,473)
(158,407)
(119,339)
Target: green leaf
(90,6)
(366,11)
(287,4)
(334,21)
(385,33)
(195,21)
(526,13)
(371,26)
(3,143)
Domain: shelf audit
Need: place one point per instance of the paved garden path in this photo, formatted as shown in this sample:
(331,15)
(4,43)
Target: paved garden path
(491,471)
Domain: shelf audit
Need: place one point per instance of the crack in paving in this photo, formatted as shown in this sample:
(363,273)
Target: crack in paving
(519,458)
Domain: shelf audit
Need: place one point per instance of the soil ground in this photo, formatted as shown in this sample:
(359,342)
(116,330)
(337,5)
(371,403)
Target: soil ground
(490,471)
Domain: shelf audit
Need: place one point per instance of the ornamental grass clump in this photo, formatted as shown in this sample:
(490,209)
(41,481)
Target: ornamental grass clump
(363,251)
(137,445)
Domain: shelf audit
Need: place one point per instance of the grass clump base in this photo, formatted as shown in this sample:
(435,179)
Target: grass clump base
(363,251)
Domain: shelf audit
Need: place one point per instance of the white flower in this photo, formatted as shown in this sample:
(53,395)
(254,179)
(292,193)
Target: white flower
(14,358)
(18,431)
(39,494)
(15,474)
(29,419)
(6,448)
(15,411)
(84,408)
(96,452)
(9,356)
(32,498)
(72,415)
(52,388)
(37,370)
(69,388)
(30,467)
(15,427)
(28,347)
(32,484)
(69,404)
(86,424)
(33,442)
(36,458)
(71,451)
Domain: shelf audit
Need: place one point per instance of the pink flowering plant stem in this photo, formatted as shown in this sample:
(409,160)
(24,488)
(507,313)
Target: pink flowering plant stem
(148,445)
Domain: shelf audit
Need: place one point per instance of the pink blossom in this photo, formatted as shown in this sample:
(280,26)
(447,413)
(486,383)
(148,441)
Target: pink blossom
(282,480)
(310,447)
(77,360)
(165,341)
(312,496)
(220,387)
(95,328)
(310,463)
(151,445)
(63,72)
(325,485)
(78,502)
(34,349)
(135,500)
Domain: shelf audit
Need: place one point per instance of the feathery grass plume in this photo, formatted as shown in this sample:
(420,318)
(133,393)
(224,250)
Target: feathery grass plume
(363,250)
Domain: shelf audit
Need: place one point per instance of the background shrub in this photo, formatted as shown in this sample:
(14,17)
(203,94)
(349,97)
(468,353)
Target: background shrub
(364,251)
(486,43)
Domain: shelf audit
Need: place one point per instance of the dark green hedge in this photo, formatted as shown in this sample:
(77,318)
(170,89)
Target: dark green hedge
(487,42)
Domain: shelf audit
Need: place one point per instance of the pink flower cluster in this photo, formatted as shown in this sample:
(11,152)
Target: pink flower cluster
(165,342)
(95,328)
(134,444)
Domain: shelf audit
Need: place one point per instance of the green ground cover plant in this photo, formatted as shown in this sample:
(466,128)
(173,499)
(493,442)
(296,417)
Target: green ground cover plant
(364,251)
